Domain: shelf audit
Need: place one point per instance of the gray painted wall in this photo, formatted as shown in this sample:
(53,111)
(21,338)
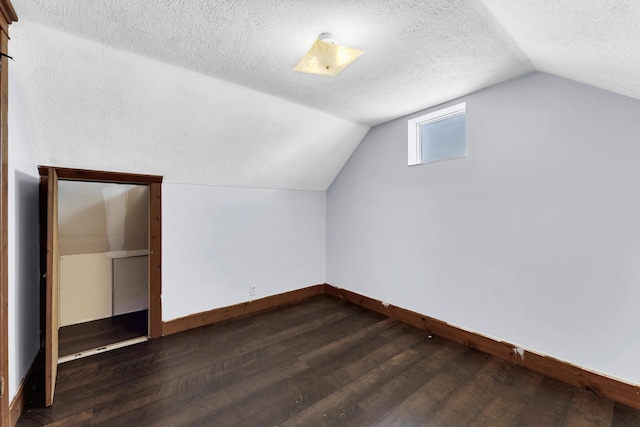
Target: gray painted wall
(534,238)
(217,241)
(24,257)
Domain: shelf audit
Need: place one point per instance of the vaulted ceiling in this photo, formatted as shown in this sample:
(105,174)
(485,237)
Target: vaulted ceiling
(204,92)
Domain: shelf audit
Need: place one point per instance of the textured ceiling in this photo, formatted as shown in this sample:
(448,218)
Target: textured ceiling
(589,41)
(95,107)
(442,48)
(203,92)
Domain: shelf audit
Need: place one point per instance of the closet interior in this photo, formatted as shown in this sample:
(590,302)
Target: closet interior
(103,240)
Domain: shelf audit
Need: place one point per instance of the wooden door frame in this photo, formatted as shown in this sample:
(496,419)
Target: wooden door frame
(7,16)
(50,293)
(155,227)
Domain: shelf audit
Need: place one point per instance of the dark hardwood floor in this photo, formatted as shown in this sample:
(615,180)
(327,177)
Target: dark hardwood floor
(323,362)
(85,336)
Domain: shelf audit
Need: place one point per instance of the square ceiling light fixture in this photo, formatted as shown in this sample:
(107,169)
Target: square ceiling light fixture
(327,58)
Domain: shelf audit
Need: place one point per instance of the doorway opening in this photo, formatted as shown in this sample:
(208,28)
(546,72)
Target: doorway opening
(103,245)
(50,258)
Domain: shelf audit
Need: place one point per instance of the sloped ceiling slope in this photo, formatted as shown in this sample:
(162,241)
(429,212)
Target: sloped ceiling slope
(203,92)
(92,106)
(589,41)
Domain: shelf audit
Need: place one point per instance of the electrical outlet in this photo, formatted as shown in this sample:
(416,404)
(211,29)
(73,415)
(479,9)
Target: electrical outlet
(252,290)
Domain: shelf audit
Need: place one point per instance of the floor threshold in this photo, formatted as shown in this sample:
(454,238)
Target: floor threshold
(101,349)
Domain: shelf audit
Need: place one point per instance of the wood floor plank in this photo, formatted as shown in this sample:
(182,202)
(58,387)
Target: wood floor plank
(423,403)
(464,406)
(296,399)
(78,420)
(589,410)
(494,397)
(549,406)
(624,416)
(218,397)
(323,362)
(378,403)
(326,353)
(334,405)
(510,400)
(363,363)
(275,404)
(301,391)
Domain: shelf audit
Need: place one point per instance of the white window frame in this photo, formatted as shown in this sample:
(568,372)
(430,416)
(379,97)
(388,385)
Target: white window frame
(414,147)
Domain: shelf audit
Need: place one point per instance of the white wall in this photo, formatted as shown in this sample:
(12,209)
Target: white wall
(534,238)
(24,257)
(216,241)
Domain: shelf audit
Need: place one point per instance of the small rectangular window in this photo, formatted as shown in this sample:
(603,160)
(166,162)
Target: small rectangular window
(438,136)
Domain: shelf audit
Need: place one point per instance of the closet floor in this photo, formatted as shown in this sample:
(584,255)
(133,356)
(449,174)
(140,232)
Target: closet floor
(73,339)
